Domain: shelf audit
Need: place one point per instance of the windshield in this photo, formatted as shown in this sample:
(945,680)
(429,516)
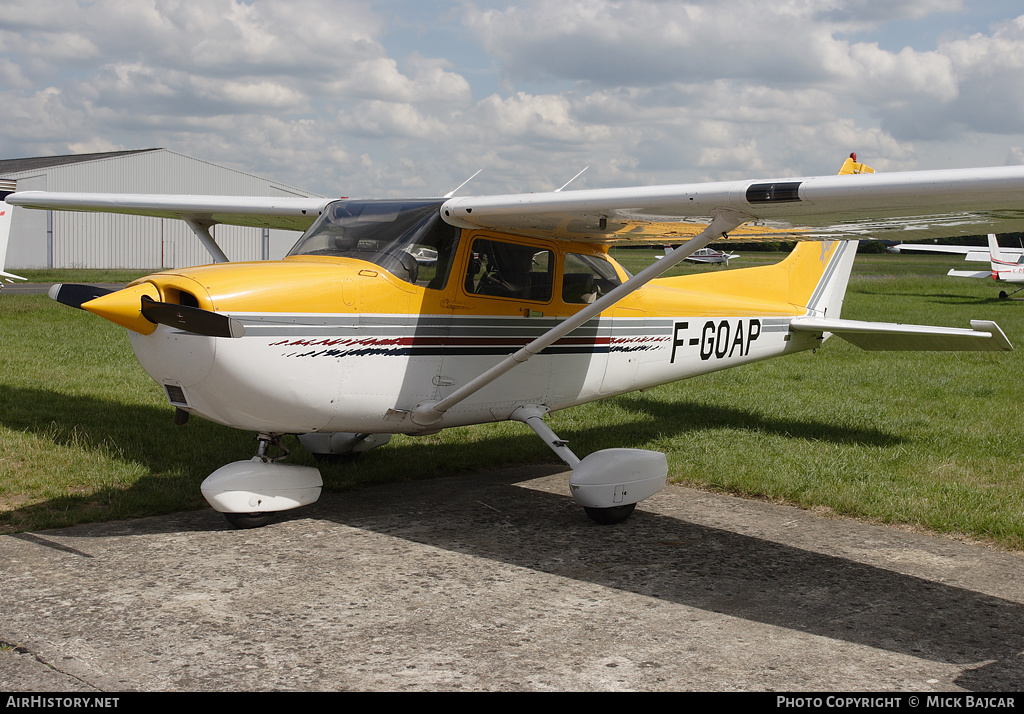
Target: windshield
(406,238)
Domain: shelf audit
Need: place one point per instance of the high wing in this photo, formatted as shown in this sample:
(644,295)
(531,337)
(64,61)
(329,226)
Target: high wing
(971,253)
(911,205)
(199,212)
(933,248)
(288,213)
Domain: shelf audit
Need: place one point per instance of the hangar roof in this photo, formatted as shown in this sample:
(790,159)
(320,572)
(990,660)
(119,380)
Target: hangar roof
(12,166)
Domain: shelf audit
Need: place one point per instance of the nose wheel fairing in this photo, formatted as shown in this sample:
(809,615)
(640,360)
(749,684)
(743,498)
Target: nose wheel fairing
(257,486)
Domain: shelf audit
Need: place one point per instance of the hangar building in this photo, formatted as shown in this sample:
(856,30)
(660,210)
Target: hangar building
(61,239)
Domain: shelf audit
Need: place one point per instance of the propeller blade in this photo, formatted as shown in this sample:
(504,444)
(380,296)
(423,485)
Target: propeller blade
(74,294)
(191,319)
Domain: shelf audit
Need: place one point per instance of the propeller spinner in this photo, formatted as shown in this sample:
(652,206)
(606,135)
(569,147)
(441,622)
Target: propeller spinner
(135,308)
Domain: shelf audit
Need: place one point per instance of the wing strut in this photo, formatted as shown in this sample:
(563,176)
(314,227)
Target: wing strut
(202,231)
(430,412)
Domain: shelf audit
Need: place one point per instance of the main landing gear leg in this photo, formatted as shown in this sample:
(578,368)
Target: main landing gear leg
(608,483)
(249,493)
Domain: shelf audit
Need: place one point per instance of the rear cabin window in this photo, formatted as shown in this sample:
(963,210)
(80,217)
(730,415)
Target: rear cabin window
(586,278)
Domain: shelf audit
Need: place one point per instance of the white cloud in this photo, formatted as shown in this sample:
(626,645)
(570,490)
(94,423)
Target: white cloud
(343,97)
(380,78)
(392,119)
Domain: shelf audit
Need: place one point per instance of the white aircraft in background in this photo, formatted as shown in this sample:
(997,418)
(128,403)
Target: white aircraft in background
(5,232)
(710,255)
(514,309)
(1006,264)
(975,253)
(704,255)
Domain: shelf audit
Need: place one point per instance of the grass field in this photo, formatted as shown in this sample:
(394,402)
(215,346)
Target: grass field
(926,440)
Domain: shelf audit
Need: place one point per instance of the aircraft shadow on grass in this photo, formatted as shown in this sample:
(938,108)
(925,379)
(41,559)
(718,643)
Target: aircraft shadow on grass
(658,556)
(944,298)
(146,435)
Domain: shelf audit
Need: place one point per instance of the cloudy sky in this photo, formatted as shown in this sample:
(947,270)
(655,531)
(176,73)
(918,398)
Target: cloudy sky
(411,97)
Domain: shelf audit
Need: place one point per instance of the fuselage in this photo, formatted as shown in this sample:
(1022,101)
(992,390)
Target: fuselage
(350,341)
(1008,271)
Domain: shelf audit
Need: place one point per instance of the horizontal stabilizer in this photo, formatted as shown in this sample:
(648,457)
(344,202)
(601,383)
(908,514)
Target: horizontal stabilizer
(978,256)
(288,213)
(970,273)
(983,335)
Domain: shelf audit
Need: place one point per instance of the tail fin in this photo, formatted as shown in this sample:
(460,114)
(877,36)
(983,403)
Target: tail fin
(850,166)
(827,298)
(998,261)
(6,188)
(995,256)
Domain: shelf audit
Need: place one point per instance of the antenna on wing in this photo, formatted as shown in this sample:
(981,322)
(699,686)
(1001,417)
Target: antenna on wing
(452,192)
(573,179)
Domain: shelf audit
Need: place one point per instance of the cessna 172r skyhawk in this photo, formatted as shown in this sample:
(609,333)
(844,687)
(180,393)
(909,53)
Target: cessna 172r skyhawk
(412,316)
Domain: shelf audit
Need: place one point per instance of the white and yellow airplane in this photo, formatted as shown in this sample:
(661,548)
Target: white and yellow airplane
(412,316)
(1005,264)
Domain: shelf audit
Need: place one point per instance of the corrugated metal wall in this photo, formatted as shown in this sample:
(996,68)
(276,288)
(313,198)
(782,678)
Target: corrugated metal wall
(103,240)
(98,240)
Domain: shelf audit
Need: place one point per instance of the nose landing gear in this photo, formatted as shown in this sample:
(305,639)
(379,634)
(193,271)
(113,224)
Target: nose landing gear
(249,493)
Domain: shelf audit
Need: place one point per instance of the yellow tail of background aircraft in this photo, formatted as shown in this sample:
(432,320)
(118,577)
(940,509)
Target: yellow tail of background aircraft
(411,316)
(850,166)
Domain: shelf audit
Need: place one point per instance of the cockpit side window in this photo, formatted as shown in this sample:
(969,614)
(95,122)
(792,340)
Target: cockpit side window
(510,270)
(406,238)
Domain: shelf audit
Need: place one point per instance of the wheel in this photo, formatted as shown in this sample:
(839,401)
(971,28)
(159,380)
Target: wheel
(335,459)
(324,459)
(609,516)
(249,520)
